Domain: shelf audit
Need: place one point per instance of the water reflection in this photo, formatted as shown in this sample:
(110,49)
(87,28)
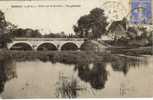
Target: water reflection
(95,74)
(123,63)
(7,71)
(38,76)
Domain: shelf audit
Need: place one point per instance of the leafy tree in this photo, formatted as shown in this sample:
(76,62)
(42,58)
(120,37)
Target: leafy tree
(19,32)
(5,28)
(32,33)
(92,25)
(55,35)
(3,23)
(4,39)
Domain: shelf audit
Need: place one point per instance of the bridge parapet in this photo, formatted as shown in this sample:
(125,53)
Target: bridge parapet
(48,39)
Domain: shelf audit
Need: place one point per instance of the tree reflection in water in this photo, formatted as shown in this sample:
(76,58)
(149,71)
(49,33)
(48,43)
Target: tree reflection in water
(123,64)
(7,71)
(96,73)
(96,76)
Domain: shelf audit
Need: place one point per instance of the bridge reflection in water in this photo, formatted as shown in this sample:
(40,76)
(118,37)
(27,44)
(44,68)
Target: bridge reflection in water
(40,44)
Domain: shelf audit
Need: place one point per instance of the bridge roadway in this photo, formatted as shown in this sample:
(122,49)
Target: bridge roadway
(45,43)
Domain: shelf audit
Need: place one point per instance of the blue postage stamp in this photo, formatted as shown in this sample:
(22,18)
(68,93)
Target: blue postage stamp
(141,11)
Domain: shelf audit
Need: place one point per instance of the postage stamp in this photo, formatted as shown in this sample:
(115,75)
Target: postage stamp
(141,11)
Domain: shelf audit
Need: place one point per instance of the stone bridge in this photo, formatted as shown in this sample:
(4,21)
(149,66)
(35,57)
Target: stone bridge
(45,44)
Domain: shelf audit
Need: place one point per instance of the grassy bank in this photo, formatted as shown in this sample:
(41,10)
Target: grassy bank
(72,57)
(132,51)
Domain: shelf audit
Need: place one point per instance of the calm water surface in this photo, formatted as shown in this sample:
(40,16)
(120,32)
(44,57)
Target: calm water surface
(123,77)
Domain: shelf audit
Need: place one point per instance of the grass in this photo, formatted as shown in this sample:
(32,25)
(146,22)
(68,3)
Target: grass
(133,52)
(67,87)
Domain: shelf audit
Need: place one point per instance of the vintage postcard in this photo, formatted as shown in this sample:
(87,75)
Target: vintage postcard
(76,49)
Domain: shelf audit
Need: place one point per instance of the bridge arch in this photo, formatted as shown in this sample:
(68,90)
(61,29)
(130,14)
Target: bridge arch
(21,46)
(69,46)
(46,46)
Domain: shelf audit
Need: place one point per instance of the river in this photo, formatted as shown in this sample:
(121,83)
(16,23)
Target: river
(123,77)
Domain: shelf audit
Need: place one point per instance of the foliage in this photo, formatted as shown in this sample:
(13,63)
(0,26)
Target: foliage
(134,36)
(19,32)
(5,28)
(92,25)
(31,33)
(59,35)
(4,39)
(3,23)
(89,46)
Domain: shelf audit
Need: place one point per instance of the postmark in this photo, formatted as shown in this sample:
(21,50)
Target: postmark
(114,10)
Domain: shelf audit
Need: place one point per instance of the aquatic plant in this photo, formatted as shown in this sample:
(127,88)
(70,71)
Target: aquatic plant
(67,87)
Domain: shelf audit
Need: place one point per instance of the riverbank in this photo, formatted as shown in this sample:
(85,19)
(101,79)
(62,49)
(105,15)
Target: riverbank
(69,57)
(132,51)
(73,57)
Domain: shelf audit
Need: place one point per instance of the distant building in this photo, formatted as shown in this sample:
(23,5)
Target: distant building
(118,29)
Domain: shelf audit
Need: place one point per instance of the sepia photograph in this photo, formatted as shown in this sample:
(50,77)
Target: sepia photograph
(76,49)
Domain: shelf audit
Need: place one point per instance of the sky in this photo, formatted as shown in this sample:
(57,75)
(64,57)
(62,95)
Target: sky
(43,16)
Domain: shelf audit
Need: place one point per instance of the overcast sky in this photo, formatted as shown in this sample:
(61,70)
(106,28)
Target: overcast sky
(53,19)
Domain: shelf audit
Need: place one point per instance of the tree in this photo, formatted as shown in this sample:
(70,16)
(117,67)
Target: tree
(5,28)
(19,32)
(4,39)
(92,25)
(3,23)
